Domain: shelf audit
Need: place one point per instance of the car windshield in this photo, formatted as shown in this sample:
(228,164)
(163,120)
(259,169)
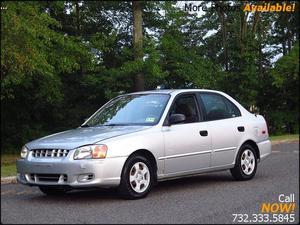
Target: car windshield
(135,109)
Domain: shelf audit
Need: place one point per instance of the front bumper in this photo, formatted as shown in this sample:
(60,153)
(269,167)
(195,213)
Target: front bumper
(100,172)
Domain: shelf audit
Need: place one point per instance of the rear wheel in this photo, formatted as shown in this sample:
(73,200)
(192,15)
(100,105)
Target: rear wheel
(137,178)
(246,163)
(53,190)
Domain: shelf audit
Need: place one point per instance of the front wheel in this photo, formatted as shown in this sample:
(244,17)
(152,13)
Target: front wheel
(246,163)
(137,178)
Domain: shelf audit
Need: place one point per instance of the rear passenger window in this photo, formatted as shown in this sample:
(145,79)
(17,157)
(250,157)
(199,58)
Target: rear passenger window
(217,107)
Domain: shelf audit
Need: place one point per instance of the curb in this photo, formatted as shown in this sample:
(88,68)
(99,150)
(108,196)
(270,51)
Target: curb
(13,179)
(9,180)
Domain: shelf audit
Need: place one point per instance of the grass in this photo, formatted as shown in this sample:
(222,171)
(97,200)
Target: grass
(9,170)
(8,165)
(286,137)
(8,161)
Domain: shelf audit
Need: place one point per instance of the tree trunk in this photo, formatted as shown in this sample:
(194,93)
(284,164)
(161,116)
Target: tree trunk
(255,22)
(78,33)
(243,31)
(139,83)
(77,19)
(289,40)
(284,51)
(284,34)
(221,15)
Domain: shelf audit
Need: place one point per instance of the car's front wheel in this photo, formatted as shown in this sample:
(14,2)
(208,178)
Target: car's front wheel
(53,190)
(246,163)
(137,178)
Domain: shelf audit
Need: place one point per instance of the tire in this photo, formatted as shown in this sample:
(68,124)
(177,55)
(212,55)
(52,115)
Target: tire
(53,190)
(246,163)
(137,178)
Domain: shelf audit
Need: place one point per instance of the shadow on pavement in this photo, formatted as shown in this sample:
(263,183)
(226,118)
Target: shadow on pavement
(162,188)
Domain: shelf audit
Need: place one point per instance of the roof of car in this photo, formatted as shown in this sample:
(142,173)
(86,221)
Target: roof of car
(173,91)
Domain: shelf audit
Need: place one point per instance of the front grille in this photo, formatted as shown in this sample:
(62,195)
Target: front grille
(50,178)
(54,153)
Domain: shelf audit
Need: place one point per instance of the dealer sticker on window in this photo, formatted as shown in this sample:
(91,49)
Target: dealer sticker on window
(150,119)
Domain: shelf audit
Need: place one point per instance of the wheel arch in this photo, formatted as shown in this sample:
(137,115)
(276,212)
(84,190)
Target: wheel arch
(147,154)
(254,145)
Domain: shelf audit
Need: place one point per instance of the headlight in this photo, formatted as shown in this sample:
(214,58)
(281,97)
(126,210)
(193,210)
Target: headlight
(24,152)
(91,152)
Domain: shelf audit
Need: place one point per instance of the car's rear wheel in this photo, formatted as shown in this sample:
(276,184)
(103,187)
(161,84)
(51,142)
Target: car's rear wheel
(137,178)
(53,190)
(246,163)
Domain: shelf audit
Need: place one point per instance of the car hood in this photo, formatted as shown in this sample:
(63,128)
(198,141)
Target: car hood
(71,139)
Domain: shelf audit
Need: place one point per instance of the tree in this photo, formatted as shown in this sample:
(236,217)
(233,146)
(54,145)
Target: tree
(61,60)
(286,80)
(139,83)
(34,55)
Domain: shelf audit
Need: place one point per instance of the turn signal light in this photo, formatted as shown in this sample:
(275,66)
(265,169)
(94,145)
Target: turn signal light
(99,152)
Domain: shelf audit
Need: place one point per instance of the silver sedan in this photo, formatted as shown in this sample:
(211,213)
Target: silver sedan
(137,139)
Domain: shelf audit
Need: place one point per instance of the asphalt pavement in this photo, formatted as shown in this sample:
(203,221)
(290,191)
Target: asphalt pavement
(207,198)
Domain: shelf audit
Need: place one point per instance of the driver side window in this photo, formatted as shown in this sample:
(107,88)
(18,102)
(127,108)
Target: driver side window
(186,105)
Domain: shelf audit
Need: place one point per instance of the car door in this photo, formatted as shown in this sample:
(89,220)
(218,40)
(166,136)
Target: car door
(225,125)
(188,144)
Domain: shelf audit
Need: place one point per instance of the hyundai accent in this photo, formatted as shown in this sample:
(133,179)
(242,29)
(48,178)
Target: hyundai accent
(138,139)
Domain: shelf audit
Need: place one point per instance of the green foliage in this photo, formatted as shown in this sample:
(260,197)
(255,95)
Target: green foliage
(34,56)
(283,121)
(60,61)
(286,70)
(31,47)
(285,76)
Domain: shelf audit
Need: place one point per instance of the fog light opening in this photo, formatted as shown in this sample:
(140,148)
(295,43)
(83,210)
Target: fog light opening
(85,177)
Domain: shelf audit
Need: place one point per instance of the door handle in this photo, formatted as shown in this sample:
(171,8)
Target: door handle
(241,129)
(203,132)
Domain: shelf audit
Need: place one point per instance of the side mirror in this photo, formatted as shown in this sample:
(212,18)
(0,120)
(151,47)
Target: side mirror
(176,118)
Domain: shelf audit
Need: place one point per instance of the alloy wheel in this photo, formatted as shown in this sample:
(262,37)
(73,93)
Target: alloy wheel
(248,162)
(139,177)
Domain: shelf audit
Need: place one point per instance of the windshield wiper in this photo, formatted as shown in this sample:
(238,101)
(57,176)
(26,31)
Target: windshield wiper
(84,125)
(114,124)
